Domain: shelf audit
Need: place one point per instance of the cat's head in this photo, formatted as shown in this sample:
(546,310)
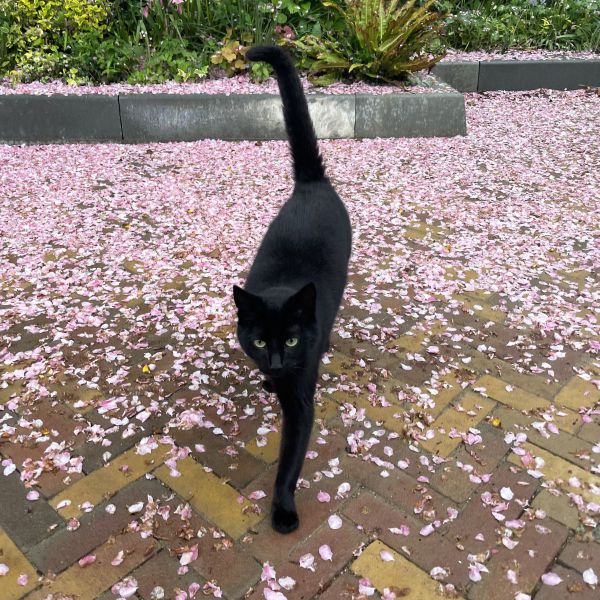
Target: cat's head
(277,329)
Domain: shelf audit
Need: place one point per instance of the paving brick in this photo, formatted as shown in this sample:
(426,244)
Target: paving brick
(579,555)
(479,306)
(558,508)
(449,390)
(211,497)
(376,517)
(389,416)
(27,523)
(401,490)
(572,587)
(269,452)
(590,432)
(535,384)
(18,565)
(411,582)
(413,340)
(233,570)
(346,368)
(577,393)
(267,543)
(89,582)
(343,542)
(344,587)
(239,469)
(452,481)
(557,468)
(92,453)
(54,482)
(529,565)
(476,518)
(518,398)
(564,445)
(510,418)
(61,549)
(161,571)
(107,481)
(461,421)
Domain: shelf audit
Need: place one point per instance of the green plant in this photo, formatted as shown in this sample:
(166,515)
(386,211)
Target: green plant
(549,24)
(380,39)
(230,55)
(171,59)
(36,35)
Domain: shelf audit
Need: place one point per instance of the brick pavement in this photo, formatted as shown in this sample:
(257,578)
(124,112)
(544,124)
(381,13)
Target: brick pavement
(445,480)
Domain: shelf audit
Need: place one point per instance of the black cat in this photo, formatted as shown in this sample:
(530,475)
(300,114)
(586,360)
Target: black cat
(295,286)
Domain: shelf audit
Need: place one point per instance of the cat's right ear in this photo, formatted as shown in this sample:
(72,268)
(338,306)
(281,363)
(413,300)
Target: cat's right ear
(246,302)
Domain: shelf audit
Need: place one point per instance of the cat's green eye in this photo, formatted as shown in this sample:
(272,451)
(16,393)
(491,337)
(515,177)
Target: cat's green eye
(290,343)
(260,343)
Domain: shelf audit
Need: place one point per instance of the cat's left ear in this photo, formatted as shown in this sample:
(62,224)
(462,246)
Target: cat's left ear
(304,301)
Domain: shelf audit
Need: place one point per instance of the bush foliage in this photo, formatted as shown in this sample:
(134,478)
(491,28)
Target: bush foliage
(379,39)
(186,40)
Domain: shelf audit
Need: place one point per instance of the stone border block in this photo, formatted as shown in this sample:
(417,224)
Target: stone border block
(59,119)
(533,74)
(410,115)
(173,117)
(462,76)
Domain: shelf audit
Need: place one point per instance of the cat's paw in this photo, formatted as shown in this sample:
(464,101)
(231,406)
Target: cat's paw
(284,521)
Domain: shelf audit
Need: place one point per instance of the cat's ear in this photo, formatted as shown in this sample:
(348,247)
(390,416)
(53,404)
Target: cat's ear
(304,301)
(246,302)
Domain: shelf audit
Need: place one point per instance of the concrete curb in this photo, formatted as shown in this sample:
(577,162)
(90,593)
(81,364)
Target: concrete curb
(519,75)
(45,119)
(146,118)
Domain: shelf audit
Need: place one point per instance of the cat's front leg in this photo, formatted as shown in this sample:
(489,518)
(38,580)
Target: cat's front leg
(296,397)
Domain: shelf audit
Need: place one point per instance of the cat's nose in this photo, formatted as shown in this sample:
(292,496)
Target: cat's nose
(275,362)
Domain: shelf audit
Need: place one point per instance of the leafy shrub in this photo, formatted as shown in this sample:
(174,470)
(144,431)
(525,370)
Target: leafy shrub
(550,24)
(379,39)
(36,35)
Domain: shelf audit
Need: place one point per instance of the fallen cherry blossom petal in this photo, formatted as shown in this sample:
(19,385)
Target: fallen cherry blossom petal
(325,552)
(551,579)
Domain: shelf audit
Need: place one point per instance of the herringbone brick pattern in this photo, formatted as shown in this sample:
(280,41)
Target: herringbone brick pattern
(429,490)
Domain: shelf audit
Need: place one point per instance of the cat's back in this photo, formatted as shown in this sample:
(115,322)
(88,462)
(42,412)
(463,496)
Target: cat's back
(314,214)
(311,235)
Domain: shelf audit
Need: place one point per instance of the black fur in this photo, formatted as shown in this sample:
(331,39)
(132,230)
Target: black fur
(295,287)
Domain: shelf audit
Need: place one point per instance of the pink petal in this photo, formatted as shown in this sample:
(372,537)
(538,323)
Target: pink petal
(87,560)
(323,497)
(325,552)
(189,556)
(551,578)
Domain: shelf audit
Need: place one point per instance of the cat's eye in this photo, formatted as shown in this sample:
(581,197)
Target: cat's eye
(291,342)
(260,343)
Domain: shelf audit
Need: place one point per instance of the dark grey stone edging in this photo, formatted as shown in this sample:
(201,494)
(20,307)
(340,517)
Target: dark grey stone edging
(139,118)
(142,118)
(519,75)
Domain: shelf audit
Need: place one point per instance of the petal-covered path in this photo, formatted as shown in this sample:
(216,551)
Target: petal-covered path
(457,443)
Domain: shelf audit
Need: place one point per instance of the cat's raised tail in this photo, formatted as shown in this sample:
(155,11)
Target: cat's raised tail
(308,165)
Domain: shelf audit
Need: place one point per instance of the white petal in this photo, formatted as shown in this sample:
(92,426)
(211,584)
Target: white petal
(334,522)
(325,552)
(590,577)
(551,578)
